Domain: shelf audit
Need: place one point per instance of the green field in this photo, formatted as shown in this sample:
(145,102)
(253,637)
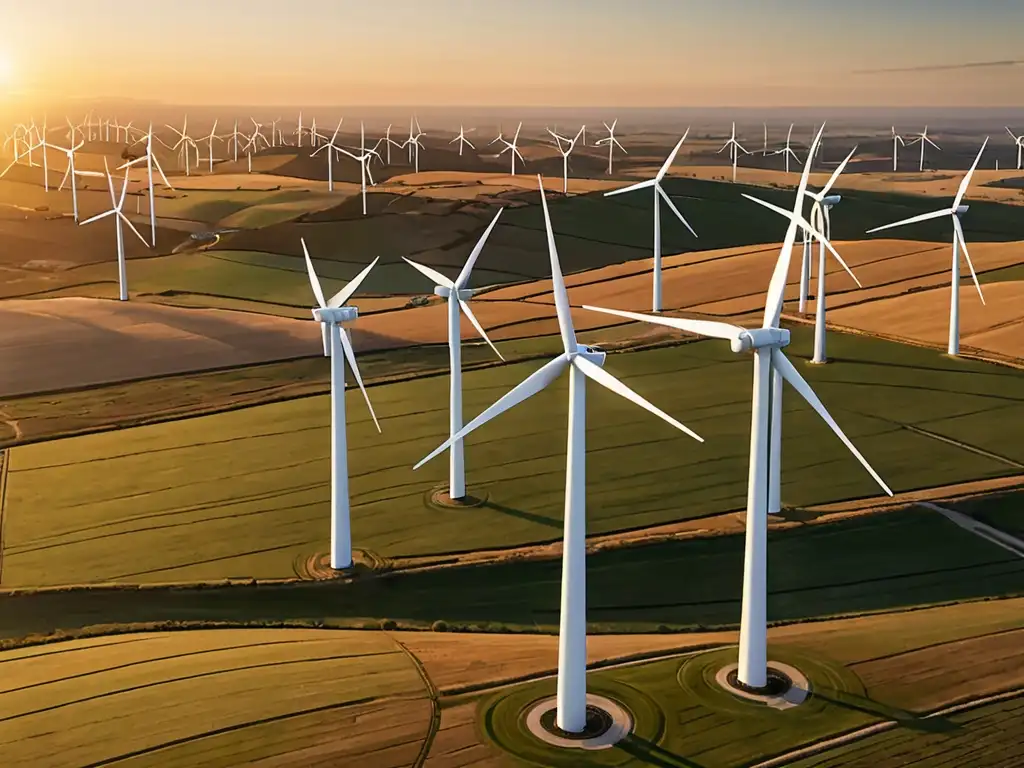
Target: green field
(252,486)
(684,720)
(986,737)
(1004,275)
(213,698)
(870,563)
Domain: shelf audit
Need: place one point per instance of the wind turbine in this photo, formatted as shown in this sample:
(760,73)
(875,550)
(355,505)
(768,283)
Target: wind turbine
(389,143)
(233,137)
(461,138)
(921,138)
(571,144)
(764,151)
(414,144)
(274,131)
(896,141)
(364,157)
(257,135)
(787,151)
(337,346)
(332,148)
(659,195)
(771,367)
(1019,141)
(458,296)
(959,242)
(122,274)
(184,140)
(151,162)
(298,131)
(70,174)
(213,135)
(511,146)
(734,150)
(583,363)
(611,141)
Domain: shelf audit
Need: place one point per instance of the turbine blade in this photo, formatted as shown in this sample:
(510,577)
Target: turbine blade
(131,226)
(835,174)
(463,279)
(672,157)
(557,283)
(958,233)
(314,282)
(350,355)
(97,217)
(431,274)
(527,388)
(710,328)
(351,287)
(632,187)
(912,220)
(790,374)
(967,179)
(597,374)
(675,210)
(932,143)
(464,305)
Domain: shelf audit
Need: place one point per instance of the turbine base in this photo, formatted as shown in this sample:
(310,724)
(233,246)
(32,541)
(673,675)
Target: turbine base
(607,724)
(786,686)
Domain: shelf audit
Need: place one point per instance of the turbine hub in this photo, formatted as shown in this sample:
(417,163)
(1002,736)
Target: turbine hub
(336,315)
(760,337)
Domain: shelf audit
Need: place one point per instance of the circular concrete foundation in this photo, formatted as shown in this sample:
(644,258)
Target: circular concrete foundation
(602,711)
(438,497)
(788,687)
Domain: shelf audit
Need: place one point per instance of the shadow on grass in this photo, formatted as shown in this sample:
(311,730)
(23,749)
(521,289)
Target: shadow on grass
(876,709)
(651,754)
(522,515)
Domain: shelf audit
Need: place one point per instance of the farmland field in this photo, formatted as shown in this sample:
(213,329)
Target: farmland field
(137,501)
(297,695)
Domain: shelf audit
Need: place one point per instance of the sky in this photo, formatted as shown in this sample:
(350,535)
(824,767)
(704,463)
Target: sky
(569,53)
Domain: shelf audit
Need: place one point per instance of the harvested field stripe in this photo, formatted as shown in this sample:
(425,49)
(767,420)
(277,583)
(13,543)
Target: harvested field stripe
(198,676)
(978,528)
(229,729)
(780,761)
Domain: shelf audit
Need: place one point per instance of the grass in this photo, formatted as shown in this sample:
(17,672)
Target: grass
(253,485)
(683,719)
(986,737)
(862,564)
(247,695)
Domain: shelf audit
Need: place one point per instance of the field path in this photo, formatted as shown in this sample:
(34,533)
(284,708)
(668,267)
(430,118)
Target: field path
(435,706)
(978,528)
(824,746)
(4,460)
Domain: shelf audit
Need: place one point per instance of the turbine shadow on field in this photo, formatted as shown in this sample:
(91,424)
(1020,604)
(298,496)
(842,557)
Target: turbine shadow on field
(651,754)
(531,517)
(853,701)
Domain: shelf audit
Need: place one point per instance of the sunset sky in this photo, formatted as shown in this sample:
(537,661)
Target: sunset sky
(517,52)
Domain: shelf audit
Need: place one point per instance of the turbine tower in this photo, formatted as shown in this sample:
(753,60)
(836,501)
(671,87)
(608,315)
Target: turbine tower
(337,346)
(959,243)
(116,212)
(659,195)
(611,141)
(734,148)
(183,143)
(331,148)
(771,367)
(921,138)
(1019,141)
(364,157)
(510,146)
(457,295)
(786,151)
(583,363)
(570,145)
(896,141)
(71,174)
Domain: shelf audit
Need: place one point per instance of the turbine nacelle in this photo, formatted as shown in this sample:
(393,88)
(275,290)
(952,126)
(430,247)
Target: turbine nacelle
(592,354)
(831,200)
(758,338)
(335,315)
(463,294)
(961,210)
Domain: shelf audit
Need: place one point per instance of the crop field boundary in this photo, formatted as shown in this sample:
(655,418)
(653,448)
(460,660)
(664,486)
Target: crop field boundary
(823,747)
(433,695)
(4,460)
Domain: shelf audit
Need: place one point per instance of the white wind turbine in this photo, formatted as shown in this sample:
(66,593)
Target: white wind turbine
(70,173)
(896,141)
(659,195)
(611,141)
(510,146)
(298,131)
(364,157)
(921,138)
(389,143)
(209,139)
(274,132)
(1019,141)
(415,145)
(787,151)
(257,135)
(959,243)
(337,346)
(734,148)
(151,161)
(458,295)
(183,143)
(771,367)
(570,145)
(122,273)
(583,363)
(233,137)
(463,141)
(331,148)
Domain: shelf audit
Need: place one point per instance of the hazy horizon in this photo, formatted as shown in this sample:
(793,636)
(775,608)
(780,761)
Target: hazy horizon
(580,54)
